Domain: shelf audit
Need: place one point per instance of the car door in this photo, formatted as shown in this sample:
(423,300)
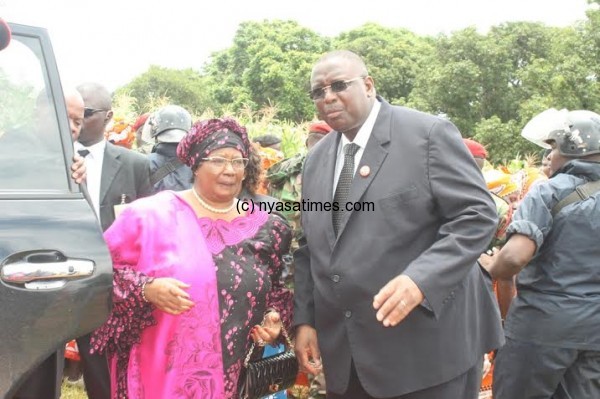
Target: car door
(55,269)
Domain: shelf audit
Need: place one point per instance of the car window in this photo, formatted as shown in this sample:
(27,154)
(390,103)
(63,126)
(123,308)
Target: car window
(31,155)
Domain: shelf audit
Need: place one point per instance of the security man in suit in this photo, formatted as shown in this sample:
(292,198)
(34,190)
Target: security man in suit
(390,297)
(115,175)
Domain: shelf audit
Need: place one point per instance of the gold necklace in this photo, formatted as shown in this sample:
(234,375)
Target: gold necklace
(212,208)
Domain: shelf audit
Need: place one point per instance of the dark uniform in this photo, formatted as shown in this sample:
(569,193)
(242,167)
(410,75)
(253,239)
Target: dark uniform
(553,325)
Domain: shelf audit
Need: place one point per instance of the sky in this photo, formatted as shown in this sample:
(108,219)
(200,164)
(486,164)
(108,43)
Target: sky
(113,41)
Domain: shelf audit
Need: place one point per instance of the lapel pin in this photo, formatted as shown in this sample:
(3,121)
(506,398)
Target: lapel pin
(364,171)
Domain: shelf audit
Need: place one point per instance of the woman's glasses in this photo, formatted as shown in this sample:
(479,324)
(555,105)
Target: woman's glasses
(87,112)
(335,87)
(220,163)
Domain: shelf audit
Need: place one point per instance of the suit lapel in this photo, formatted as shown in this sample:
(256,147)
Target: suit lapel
(110,167)
(372,158)
(327,185)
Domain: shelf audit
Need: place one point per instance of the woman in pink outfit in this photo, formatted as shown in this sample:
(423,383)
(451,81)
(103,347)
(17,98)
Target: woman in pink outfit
(195,277)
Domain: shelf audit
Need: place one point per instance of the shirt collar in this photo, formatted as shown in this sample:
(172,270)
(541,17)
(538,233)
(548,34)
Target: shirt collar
(97,150)
(362,137)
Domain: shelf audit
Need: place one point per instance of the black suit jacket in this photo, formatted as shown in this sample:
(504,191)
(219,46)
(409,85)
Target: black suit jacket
(432,218)
(123,172)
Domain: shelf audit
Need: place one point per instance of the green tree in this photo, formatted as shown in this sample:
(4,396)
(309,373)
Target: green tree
(268,65)
(451,80)
(394,57)
(503,140)
(17,103)
(184,87)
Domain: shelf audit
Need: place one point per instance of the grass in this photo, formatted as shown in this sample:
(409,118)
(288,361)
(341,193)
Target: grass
(73,392)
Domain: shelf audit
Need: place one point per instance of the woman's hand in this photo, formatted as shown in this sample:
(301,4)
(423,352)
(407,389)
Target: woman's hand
(168,295)
(269,331)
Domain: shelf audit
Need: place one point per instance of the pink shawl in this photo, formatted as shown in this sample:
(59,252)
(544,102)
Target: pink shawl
(179,357)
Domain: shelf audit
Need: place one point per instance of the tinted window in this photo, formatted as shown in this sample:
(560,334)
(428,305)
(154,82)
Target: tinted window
(31,156)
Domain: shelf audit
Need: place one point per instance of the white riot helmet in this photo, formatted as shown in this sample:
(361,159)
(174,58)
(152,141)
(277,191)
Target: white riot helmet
(538,129)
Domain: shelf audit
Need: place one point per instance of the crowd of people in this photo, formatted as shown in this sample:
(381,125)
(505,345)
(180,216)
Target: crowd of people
(460,266)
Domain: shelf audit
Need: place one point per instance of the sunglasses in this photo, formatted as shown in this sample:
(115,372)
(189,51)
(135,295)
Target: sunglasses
(335,87)
(220,162)
(87,112)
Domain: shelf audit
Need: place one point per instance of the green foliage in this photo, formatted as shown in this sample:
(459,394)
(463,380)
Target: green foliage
(16,103)
(394,57)
(503,140)
(268,64)
(186,88)
(265,122)
(489,85)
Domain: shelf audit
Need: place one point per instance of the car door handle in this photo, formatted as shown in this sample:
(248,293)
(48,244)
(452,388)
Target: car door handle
(27,272)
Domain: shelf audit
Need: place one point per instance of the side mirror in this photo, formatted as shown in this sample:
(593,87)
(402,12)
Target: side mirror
(4,34)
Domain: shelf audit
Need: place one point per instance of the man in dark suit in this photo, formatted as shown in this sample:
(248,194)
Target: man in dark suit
(391,297)
(114,175)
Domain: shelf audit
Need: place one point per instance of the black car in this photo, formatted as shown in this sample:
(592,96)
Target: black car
(55,268)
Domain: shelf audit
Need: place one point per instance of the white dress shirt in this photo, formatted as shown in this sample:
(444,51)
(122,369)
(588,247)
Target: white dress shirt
(93,164)
(361,139)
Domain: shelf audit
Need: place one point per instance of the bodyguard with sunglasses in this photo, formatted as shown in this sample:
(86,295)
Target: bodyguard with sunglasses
(392,302)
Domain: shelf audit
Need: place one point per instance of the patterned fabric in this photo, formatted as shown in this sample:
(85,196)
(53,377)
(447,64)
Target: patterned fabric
(208,135)
(234,271)
(500,183)
(120,133)
(343,187)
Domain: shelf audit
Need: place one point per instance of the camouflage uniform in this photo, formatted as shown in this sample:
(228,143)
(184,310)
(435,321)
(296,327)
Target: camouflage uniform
(285,184)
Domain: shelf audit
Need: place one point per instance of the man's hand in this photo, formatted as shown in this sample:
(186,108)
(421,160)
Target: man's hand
(307,350)
(396,300)
(269,331)
(168,295)
(78,170)
(487,259)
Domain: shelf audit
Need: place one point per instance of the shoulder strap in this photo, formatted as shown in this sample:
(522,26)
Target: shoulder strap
(165,170)
(582,192)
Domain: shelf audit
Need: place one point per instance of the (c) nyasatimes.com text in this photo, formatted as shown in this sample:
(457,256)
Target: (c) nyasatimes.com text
(304,206)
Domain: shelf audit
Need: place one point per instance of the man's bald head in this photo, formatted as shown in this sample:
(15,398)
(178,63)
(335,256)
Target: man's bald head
(75,110)
(350,57)
(95,96)
(98,112)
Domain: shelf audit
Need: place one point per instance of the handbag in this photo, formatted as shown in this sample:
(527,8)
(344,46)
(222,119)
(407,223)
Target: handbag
(266,376)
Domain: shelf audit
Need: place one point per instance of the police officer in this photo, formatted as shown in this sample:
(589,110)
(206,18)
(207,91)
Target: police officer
(168,126)
(553,325)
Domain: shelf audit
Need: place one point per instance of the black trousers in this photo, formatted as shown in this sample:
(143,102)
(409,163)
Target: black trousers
(45,381)
(95,370)
(465,386)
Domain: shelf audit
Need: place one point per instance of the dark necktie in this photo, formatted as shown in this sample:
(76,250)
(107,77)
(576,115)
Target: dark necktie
(343,186)
(84,153)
